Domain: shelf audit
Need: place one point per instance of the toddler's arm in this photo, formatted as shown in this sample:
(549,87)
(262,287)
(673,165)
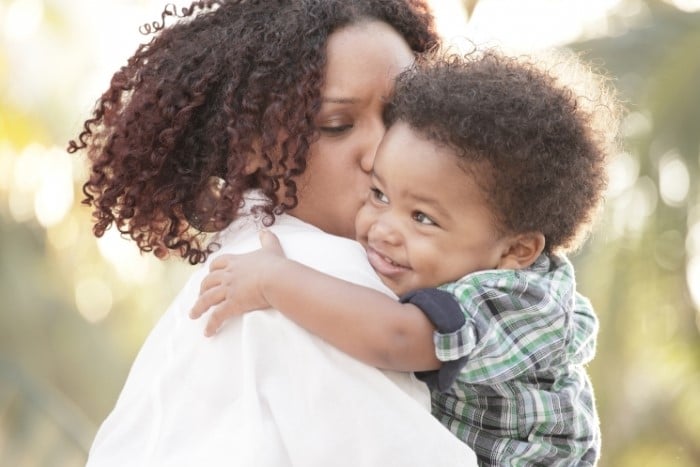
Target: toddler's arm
(359,321)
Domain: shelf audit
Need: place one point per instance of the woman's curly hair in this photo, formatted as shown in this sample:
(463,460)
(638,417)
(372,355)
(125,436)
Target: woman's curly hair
(537,145)
(170,142)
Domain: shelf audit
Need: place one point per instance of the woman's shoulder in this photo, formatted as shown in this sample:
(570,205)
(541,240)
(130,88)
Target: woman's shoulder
(306,244)
(337,256)
(315,246)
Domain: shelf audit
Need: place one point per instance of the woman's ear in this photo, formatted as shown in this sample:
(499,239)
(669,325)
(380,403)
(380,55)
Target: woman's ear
(521,250)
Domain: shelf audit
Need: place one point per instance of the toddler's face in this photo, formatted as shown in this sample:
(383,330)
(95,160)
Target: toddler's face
(425,222)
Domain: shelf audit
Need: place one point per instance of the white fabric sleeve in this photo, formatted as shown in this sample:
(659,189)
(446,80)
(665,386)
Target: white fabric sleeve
(265,393)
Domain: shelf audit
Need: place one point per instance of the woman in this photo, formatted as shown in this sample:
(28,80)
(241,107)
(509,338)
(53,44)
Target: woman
(261,113)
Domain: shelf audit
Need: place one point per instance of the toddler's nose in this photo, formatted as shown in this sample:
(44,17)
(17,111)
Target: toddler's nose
(386,230)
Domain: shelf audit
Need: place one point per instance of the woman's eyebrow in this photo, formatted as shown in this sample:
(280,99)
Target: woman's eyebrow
(339,100)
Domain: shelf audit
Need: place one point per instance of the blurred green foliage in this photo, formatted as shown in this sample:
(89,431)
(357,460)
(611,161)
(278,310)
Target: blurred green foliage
(647,371)
(63,359)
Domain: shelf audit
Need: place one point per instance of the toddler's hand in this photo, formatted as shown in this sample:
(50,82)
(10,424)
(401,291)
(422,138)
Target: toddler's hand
(234,283)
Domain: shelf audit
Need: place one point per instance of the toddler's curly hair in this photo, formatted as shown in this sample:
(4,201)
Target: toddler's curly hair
(169,141)
(536,146)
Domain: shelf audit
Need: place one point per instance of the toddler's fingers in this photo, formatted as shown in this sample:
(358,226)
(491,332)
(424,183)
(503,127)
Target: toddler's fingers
(221,262)
(270,242)
(216,319)
(211,280)
(206,300)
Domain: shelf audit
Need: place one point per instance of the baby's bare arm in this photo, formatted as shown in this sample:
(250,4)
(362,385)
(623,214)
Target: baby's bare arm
(359,321)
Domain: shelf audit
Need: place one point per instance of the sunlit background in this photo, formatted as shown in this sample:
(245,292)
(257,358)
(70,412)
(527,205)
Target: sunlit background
(75,310)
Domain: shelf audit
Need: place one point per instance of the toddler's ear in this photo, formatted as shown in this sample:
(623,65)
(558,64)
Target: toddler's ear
(522,250)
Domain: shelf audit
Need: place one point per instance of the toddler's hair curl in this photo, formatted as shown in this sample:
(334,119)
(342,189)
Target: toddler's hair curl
(537,146)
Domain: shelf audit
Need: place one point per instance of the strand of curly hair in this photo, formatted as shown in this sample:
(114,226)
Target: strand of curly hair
(227,81)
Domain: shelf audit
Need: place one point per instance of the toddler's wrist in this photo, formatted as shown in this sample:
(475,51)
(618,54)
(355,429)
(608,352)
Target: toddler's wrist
(272,275)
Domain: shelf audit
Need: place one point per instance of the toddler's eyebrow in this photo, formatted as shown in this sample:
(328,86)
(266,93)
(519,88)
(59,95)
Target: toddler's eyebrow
(421,199)
(430,202)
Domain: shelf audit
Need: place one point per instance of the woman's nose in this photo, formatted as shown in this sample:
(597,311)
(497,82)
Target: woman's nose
(375,133)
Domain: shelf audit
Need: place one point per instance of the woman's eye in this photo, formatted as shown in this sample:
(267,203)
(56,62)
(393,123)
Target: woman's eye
(335,129)
(379,196)
(423,218)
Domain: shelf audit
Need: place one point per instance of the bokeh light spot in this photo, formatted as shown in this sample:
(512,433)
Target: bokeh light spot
(623,172)
(54,196)
(23,18)
(130,264)
(93,299)
(692,276)
(674,179)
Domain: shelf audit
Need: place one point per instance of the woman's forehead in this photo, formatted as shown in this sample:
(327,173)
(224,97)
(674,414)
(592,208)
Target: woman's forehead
(364,59)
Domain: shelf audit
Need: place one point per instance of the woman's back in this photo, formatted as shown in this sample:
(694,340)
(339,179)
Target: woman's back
(264,392)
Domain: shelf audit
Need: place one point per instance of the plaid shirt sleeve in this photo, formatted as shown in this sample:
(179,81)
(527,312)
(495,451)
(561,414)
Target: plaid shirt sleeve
(513,322)
(443,310)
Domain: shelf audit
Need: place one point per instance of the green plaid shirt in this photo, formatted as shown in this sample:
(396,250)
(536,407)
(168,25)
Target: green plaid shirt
(513,346)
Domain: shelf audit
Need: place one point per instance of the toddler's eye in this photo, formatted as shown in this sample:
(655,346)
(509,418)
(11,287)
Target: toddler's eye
(423,218)
(379,196)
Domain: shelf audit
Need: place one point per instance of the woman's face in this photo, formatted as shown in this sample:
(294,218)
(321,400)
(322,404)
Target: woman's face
(362,62)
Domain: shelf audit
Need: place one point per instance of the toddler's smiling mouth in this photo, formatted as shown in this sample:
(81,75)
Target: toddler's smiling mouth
(383,264)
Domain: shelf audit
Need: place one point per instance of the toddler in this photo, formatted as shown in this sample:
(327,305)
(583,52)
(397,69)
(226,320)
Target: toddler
(491,170)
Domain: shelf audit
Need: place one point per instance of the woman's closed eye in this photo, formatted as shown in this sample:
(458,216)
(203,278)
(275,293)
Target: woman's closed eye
(333,130)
